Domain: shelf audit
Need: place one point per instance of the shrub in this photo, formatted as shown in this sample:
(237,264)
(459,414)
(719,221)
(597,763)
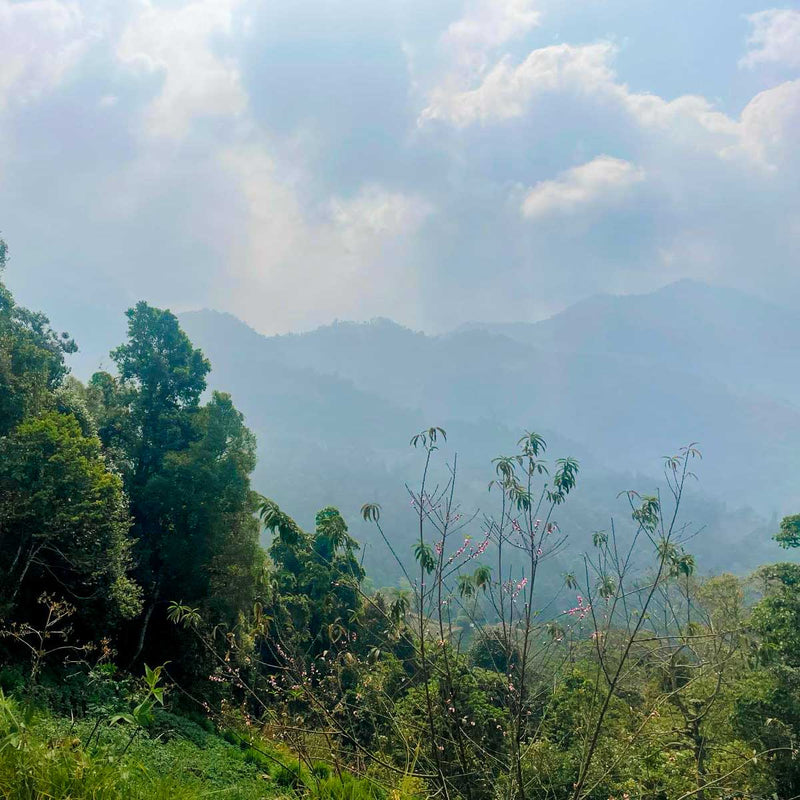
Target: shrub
(12,679)
(171,726)
(347,787)
(319,769)
(292,775)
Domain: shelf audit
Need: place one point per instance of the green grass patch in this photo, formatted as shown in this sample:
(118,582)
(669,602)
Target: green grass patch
(43,757)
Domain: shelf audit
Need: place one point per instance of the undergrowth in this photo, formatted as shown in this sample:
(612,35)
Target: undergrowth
(47,757)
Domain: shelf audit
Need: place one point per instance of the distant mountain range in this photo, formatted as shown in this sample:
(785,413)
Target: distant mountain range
(745,343)
(617,382)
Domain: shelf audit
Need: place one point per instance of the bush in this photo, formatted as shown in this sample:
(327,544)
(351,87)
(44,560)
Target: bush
(12,679)
(292,775)
(347,787)
(170,726)
(319,769)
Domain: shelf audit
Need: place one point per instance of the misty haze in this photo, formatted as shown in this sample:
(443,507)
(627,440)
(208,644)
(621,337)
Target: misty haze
(399,400)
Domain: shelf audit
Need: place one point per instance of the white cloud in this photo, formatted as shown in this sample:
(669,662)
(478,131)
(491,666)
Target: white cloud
(688,114)
(487,24)
(775,38)
(375,212)
(292,270)
(470,43)
(585,74)
(769,125)
(601,181)
(42,41)
(507,90)
(177,42)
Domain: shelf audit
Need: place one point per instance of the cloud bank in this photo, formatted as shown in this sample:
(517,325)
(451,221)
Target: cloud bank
(293,163)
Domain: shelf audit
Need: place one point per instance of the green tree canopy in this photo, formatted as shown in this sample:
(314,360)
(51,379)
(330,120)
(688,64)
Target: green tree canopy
(162,377)
(201,497)
(789,533)
(64,519)
(187,470)
(315,577)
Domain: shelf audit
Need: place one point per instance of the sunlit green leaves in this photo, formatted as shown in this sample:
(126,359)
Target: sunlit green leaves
(182,614)
(423,553)
(789,533)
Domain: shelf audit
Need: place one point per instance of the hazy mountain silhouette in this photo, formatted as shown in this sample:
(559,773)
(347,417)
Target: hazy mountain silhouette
(609,381)
(573,375)
(738,340)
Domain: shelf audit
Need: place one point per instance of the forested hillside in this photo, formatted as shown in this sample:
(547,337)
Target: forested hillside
(511,631)
(623,378)
(364,386)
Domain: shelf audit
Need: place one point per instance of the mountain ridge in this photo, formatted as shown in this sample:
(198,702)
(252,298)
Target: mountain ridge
(624,406)
(333,410)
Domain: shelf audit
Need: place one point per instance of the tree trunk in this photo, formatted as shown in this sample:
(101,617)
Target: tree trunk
(146,622)
(700,759)
(28,561)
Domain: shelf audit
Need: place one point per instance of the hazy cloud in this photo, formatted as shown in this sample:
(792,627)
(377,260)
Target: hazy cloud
(508,90)
(602,180)
(296,265)
(775,38)
(487,24)
(375,213)
(42,41)
(771,124)
(176,44)
(585,72)
(433,162)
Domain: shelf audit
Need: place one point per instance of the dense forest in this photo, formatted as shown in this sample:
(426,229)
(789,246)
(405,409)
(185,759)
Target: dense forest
(364,386)
(166,631)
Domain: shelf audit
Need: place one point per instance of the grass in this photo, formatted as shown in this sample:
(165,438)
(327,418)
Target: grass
(43,757)
(46,757)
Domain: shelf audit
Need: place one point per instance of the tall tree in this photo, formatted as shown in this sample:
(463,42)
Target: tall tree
(63,513)
(211,557)
(63,521)
(148,412)
(187,470)
(162,377)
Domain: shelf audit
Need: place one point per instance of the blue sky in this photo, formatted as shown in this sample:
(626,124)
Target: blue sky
(296,162)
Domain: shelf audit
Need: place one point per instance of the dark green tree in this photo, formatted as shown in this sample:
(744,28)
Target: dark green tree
(161,379)
(63,513)
(63,521)
(777,615)
(767,711)
(315,579)
(201,495)
(145,414)
(789,533)
(187,470)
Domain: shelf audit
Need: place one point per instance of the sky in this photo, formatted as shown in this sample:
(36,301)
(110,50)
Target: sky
(299,161)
